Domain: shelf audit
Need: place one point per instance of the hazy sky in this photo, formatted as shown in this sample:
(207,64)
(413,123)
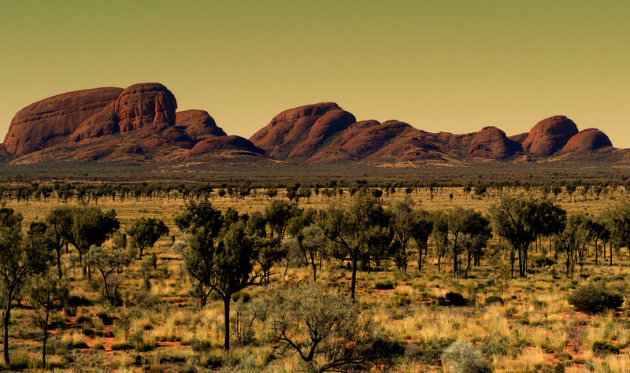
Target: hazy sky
(438,65)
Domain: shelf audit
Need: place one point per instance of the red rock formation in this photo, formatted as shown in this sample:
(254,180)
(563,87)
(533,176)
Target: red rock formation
(49,121)
(492,143)
(360,140)
(587,141)
(213,144)
(141,106)
(138,123)
(299,132)
(550,135)
(198,124)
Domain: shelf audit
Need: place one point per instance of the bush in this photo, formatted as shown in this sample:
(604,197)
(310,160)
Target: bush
(602,348)
(595,298)
(494,299)
(384,285)
(464,357)
(122,346)
(454,300)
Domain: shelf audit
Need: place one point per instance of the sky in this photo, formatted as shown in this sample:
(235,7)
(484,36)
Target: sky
(452,66)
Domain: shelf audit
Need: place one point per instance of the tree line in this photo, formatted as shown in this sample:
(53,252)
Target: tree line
(86,193)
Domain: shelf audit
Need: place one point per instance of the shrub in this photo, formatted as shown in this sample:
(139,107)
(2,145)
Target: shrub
(384,285)
(120,346)
(595,298)
(602,348)
(464,357)
(494,299)
(454,300)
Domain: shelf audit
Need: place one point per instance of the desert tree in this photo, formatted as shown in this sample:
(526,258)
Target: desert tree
(572,239)
(60,224)
(221,263)
(201,224)
(324,329)
(108,263)
(278,213)
(47,293)
(520,221)
(617,220)
(464,226)
(91,227)
(307,239)
(599,233)
(349,228)
(20,258)
(411,224)
(440,235)
(145,232)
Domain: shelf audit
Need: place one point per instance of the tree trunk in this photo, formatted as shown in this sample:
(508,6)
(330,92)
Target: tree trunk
(45,340)
(596,252)
(7,320)
(354,276)
(314,265)
(59,261)
(512,260)
(610,256)
(226,309)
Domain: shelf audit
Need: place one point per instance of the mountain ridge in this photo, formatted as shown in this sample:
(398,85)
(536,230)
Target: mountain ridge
(141,124)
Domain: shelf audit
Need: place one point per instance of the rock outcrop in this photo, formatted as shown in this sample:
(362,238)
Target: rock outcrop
(141,124)
(50,121)
(148,106)
(587,140)
(136,124)
(298,133)
(325,133)
(549,135)
(198,124)
(492,143)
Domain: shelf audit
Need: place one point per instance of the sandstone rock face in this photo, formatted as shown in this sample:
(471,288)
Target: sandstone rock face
(136,124)
(587,141)
(140,124)
(550,135)
(148,106)
(299,132)
(361,140)
(198,124)
(492,143)
(51,120)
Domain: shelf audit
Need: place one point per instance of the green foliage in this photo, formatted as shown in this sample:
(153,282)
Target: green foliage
(91,227)
(595,298)
(109,264)
(521,220)
(146,231)
(384,285)
(453,300)
(21,257)
(602,348)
